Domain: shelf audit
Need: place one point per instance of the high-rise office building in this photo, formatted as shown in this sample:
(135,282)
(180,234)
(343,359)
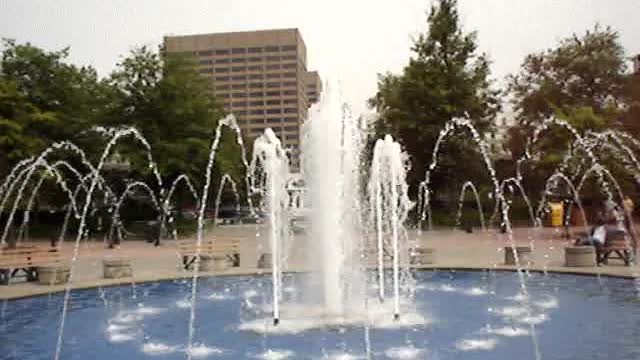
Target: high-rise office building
(260,76)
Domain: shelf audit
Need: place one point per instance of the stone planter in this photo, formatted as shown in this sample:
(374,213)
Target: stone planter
(116,268)
(53,275)
(525,255)
(213,263)
(580,256)
(264,262)
(422,256)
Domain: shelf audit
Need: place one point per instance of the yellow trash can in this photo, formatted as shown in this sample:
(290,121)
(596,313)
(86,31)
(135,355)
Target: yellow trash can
(557,214)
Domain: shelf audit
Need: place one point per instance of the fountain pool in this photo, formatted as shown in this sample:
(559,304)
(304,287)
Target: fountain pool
(463,315)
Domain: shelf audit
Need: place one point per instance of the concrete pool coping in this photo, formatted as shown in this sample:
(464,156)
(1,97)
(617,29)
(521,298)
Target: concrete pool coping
(26,290)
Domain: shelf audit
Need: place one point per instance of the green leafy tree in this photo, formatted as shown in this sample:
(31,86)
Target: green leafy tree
(165,97)
(446,78)
(582,81)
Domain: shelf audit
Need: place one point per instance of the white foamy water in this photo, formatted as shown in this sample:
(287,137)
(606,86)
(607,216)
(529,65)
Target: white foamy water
(249,294)
(120,337)
(476,291)
(275,355)
(518,297)
(299,318)
(405,353)
(447,288)
(144,310)
(534,319)
(509,331)
(125,318)
(549,303)
(219,297)
(476,344)
(183,304)
(201,351)
(158,349)
(113,328)
(512,311)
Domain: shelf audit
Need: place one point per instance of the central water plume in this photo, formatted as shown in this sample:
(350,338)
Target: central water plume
(331,154)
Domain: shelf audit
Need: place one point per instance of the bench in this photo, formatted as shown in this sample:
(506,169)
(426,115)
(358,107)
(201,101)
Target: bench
(26,259)
(227,247)
(616,244)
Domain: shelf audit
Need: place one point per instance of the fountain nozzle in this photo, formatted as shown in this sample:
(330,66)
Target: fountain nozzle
(276,321)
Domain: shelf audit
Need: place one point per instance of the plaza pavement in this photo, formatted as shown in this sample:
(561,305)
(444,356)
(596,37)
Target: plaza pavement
(453,250)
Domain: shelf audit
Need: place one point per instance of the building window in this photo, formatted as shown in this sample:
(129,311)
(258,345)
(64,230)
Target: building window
(222,52)
(222,78)
(290,119)
(222,87)
(238,51)
(222,61)
(273,67)
(273,85)
(205,53)
(291,128)
(290,110)
(240,112)
(206,71)
(238,86)
(255,68)
(290,92)
(274,111)
(289,66)
(256,103)
(273,76)
(256,85)
(289,83)
(256,94)
(239,104)
(222,70)
(272,48)
(255,76)
(238,68)
(257,130)
(256,112)
(273,58)
(273,93)
(255,59)
(224,96)
(255,50)
(204,62)
(237,60)
(274,120)
(312,93)
(290,101)
(289,75)
(239,95)
(289,48)
(291,137)
(239,78)
(273,102)
(289,57)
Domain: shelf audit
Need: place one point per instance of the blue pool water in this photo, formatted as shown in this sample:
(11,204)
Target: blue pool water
(467,315)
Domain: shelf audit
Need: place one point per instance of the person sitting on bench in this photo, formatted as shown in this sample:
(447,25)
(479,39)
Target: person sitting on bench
(597,237)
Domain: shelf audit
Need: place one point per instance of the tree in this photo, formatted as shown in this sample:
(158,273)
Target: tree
(581,81)
(581,72)
(445,78)
(165,97)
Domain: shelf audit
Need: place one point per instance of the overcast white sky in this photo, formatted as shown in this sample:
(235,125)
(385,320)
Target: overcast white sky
(347,40)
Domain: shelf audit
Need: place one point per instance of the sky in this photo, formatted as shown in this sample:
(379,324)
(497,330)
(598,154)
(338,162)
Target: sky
(348,41)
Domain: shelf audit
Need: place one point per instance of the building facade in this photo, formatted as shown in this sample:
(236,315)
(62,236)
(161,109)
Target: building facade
(259,76)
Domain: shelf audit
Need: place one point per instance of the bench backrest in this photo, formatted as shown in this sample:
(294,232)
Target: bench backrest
(29,256)
(209,246)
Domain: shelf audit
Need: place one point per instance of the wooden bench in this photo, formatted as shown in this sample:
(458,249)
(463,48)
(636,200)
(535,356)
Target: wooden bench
(227,247)
(616,244)
(26,259)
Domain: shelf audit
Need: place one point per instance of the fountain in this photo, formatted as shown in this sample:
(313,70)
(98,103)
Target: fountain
(341,288)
